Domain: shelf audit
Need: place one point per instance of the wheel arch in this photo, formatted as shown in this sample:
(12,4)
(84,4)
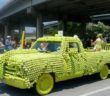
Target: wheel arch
(108,64)
(53,75)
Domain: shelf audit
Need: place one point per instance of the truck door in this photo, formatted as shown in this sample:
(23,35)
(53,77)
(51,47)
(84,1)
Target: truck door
(77,59)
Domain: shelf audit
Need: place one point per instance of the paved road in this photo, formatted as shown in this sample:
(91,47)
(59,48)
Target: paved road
(85,86)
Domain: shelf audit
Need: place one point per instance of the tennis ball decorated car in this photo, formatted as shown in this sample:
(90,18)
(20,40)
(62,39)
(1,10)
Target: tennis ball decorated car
(50,60)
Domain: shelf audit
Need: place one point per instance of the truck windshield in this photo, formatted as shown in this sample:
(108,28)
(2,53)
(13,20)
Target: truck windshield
(48,46)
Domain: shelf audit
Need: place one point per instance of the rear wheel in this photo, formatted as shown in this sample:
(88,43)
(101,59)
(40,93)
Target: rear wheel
(104,72)
(45,84)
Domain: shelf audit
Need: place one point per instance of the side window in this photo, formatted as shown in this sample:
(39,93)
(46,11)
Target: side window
(73,45)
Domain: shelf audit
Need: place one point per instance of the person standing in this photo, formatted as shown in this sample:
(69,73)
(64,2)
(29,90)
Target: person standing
(8,43)
(98,43)
(13,43)
(1,46)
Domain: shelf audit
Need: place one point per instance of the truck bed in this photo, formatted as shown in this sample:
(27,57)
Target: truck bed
(105,46)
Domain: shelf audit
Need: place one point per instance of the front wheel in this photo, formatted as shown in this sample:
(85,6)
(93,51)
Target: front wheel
(104,72)
(45,84)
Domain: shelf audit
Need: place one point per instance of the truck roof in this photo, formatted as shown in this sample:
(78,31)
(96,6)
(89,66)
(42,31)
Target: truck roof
(58,38)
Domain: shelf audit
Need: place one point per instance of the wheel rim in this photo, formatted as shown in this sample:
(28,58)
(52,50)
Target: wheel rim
(45,84)
(104,72)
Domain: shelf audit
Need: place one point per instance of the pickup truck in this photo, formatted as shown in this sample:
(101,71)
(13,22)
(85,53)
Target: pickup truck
(63,58)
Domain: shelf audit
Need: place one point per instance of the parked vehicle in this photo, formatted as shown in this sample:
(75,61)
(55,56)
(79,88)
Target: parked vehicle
(50,60)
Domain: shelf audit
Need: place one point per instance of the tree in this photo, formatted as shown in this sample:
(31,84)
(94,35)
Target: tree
(93,29)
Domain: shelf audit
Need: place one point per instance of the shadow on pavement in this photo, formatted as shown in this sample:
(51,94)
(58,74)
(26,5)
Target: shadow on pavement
(11,91)
(70,84)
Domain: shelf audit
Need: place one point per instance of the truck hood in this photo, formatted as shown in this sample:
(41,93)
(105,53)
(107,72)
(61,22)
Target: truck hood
(30,57)
(33,64)
(30,63)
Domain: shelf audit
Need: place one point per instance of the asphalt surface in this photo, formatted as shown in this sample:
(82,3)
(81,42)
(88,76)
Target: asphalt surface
(85,86)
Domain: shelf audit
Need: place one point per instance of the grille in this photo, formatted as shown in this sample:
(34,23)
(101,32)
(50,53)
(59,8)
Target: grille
(11,70)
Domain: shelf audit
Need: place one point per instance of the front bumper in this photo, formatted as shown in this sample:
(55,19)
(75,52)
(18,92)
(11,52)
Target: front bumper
(17,82)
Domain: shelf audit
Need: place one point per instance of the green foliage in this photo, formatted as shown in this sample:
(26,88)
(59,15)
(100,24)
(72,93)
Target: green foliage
(83,30)
(52,31)
(73,28)
(93,29)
